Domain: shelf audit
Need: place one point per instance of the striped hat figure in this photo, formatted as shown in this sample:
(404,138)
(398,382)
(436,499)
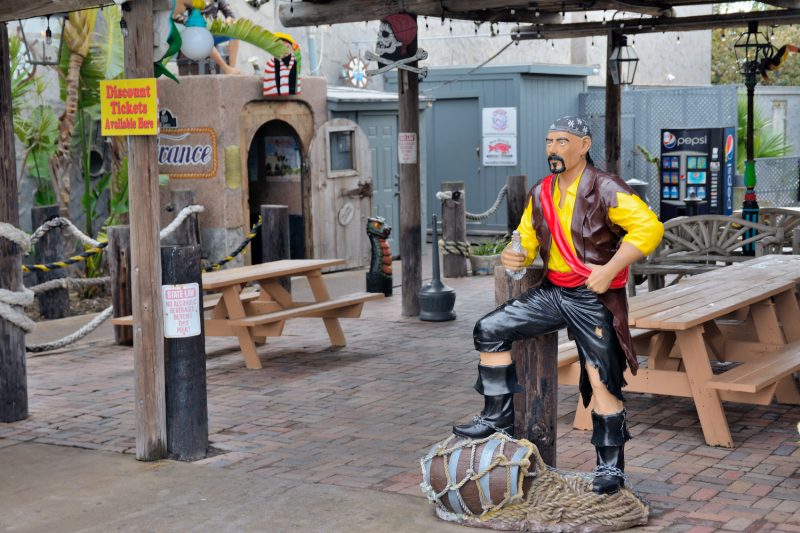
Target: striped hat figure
(282,74)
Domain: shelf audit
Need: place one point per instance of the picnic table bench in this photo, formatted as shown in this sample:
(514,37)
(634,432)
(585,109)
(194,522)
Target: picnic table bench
(253,316)
(747,313)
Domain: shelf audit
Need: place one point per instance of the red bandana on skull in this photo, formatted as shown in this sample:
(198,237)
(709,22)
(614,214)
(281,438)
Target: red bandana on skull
(404,28)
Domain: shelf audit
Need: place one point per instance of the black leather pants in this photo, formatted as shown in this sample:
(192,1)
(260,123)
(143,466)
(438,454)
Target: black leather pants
(548,308)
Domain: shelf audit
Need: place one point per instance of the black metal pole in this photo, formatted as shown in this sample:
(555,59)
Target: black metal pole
(185,353)
(750,205)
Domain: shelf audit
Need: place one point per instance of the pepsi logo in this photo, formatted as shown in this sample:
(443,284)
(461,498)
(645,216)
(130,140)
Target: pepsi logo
(729,148)
(669,140)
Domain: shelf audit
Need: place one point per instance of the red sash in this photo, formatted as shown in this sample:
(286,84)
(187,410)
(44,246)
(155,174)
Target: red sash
(580,272)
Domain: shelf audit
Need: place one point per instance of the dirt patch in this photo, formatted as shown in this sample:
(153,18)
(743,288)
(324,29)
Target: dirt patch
(78,306)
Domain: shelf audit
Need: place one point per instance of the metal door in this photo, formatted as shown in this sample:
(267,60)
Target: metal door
(381,131)
(457,151)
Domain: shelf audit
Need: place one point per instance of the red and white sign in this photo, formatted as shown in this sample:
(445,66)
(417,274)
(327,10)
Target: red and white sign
(181,310)
(407,148)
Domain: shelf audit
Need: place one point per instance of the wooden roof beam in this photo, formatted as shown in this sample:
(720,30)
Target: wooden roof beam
(23,9)
(661,24)
(297,14)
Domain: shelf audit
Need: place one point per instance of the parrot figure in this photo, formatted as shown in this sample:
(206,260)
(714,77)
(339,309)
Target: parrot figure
(777,60)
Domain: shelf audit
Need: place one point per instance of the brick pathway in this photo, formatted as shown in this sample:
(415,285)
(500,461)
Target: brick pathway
(363,415)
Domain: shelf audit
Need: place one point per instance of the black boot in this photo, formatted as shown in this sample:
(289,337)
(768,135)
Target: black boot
(498,385)
(609,437)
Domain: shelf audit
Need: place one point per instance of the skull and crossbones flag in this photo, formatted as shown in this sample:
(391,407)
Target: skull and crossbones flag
(396,33)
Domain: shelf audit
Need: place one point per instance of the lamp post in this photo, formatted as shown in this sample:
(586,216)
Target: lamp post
(751,50)
(43,37)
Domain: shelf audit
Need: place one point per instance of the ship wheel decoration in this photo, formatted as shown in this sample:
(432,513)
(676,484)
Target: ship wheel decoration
(355,71)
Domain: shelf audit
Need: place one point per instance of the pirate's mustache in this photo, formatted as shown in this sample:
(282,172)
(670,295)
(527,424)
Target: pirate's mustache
(554,161)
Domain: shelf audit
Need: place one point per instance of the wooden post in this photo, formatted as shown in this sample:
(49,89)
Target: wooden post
(54,303)
(410,201)
(189,231)
(14,382)
(185,360)
(515,200)
(454,228)
(275,237)
(613,136)
(119,261)
(536,407)
(148,324)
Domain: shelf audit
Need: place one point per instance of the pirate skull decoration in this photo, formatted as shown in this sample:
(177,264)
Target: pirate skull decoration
(394,36)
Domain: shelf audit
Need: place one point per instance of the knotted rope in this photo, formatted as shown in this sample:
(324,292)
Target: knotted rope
(68,283)
(16,235)
(448,195)
(185,213)
(10,299)
(65,223)
(69,339)
(461,248)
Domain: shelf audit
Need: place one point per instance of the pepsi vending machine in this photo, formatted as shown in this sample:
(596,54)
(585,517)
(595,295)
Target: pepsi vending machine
(701,161)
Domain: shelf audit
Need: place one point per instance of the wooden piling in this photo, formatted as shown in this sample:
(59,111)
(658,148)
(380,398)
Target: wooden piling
(454,228)
(536,407)
(516,194)
(275,237)
(189,231)
(613,133)
(119,262)
(13,377)
(185,364)
(53,303)
(148,331)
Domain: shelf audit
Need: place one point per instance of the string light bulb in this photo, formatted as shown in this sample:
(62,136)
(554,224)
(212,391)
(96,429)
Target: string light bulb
(563,11)
(592,42)
(679,37)
(426,23)
(604,18)
(48,34)
(123,27)
(536,13)
(585,16)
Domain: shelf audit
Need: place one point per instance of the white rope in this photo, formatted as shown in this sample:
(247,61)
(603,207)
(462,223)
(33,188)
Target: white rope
(183,215)
(16,235)
(64,222)
(69,339)
(12,298)
(69,283)
(448,195)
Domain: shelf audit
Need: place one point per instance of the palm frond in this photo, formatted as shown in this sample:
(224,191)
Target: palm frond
(246,31)
(107,50)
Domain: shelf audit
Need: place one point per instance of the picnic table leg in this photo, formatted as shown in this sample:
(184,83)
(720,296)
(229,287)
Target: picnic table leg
(659,353)
(788,312)
(707,402)
(263,296)
(321,295)
(243,333)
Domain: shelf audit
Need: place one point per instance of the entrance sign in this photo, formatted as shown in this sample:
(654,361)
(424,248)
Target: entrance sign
(407,148)
(499,151)
(129,107)
(187,153)
(181,310)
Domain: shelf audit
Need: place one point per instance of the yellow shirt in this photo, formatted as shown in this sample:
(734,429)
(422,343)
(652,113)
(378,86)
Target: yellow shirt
(631,214)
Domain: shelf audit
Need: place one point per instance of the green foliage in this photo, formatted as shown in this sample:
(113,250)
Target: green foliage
(246,31)
(119,203)
(107,52)
(489,248)
(767,141)
(21,80)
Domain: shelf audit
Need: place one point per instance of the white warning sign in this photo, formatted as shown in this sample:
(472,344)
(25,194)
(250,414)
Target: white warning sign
(181,310)
(407,148)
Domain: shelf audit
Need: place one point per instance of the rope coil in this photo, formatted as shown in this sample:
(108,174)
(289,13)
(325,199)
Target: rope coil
(461,248)
(448,195)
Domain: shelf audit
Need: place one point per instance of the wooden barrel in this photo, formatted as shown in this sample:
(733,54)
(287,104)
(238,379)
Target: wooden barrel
(493,484)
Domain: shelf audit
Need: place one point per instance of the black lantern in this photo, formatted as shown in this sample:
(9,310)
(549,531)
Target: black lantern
(622,63)
(43,37)
(751,49)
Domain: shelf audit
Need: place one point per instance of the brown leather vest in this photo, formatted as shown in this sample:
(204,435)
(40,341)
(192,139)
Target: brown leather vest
(595,238)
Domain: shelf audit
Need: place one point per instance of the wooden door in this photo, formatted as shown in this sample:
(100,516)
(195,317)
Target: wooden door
(381,131)
(341,193)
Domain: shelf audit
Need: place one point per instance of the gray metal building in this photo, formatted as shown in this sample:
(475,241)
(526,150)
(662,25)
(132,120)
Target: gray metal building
(541,93)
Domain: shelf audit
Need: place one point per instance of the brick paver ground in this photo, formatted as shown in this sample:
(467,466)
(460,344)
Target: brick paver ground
(363,415)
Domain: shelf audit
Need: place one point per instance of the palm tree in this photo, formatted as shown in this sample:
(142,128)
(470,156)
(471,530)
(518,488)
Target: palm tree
(78,32)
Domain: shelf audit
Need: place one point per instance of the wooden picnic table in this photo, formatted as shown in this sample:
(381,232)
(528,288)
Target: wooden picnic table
(746,313)
(254,316)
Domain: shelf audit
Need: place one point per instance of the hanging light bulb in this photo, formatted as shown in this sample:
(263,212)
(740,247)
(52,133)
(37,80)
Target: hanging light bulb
(633,43)
(592,42)
(723,35)
(513,11)
(679,37)
(563,11)
(585,16)
(536,13)
(553,44)
(426,23)
(451,25)
(653,27)
(604,18)
(442,20)
(621,24)
(197,40)
(123,27)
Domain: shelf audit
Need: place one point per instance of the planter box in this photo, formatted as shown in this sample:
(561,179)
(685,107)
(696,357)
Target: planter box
(483,265)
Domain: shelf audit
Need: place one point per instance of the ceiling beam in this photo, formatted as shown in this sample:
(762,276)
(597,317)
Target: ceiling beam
(297,14)
(662,24)
(23,9)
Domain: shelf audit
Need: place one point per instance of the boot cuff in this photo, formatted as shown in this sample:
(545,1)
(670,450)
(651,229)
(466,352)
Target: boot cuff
(610,430)
(497,380)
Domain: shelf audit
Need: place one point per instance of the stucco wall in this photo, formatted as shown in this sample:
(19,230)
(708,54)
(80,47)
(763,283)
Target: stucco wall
(782,105)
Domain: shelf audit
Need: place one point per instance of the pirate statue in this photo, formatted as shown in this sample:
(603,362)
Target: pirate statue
(282,74)
(588,226)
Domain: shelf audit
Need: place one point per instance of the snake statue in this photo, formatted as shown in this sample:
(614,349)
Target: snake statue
(379,277)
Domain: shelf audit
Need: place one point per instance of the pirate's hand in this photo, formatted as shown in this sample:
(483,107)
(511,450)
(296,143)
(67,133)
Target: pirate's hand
(229,20)
(600,279)
(512,260)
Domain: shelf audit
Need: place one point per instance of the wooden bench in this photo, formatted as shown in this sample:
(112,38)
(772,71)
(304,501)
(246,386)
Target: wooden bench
(697,245)
(761,373)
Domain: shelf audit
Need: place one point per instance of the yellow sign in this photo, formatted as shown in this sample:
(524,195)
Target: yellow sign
(129,107)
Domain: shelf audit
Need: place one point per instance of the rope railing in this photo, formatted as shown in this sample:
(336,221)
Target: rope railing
(448,195)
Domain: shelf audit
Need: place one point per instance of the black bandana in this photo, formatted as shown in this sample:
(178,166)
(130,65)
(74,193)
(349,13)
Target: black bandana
(572,125)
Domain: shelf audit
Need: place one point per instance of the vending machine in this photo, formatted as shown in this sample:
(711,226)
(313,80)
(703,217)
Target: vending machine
(702,161)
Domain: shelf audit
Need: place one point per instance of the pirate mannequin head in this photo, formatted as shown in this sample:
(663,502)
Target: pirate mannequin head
(568,142)
(394,36)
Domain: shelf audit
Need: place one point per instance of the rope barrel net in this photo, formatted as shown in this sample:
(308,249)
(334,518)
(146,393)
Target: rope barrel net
(9,300)
(464,248)
(502,483)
